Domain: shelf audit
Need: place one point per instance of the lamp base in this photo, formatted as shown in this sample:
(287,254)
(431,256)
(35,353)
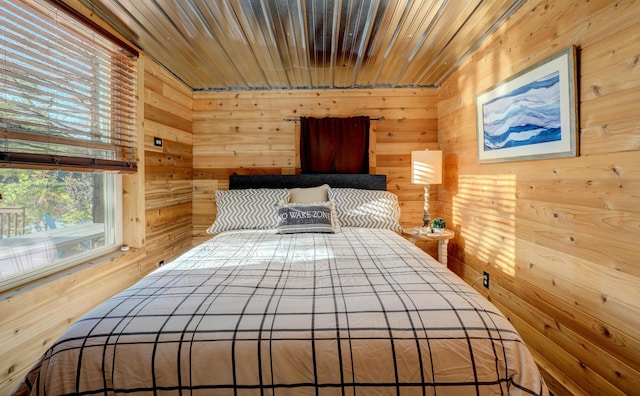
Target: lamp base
(425,216)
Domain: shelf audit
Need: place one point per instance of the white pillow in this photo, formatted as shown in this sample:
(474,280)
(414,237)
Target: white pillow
(366,208)
(309,195)
(247,209)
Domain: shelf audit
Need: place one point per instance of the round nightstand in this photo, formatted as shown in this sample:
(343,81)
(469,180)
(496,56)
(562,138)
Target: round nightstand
(442,238)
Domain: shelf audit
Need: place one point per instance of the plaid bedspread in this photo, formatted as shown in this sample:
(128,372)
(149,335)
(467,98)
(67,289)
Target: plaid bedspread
(361,312)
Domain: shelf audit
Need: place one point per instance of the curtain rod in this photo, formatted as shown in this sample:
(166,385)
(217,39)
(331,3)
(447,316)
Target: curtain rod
(298,119)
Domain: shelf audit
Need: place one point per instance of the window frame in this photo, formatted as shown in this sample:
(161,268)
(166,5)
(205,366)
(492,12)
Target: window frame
(128,210)
(113,223)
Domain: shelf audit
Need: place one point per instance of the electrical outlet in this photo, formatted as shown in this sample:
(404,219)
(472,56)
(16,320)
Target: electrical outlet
(161,263)
(157,142)
(485,279)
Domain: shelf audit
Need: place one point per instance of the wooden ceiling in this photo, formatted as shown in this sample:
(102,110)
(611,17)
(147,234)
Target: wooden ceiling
(306,44)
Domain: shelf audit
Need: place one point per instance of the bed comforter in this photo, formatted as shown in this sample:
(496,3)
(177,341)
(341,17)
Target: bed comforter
(360,312)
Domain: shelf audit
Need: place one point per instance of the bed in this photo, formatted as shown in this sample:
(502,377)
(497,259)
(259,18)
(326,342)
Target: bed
(327,301)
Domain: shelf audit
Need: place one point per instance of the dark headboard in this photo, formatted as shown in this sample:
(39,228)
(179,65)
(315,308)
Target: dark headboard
(361,181)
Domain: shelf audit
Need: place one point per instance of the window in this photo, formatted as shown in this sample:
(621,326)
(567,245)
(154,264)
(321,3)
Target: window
(50,220)
(67,125)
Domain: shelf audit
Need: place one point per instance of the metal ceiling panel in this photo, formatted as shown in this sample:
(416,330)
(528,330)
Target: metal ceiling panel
(306,44)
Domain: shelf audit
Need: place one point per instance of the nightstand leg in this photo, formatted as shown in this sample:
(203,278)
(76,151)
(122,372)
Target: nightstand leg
(442,251)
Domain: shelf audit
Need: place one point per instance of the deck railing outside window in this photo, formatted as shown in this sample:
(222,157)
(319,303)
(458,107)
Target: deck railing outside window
(11,221)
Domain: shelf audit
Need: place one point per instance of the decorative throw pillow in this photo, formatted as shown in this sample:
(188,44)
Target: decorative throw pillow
(247,209)
(366,208)
(312,217)
(309,195)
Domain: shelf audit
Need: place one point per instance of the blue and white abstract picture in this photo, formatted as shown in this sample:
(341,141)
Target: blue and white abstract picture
(530,116)
(527,115)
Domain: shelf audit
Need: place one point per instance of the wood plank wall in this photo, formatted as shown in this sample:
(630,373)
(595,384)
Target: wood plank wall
(168,169)
(246,133)
(31,319)
(559,238)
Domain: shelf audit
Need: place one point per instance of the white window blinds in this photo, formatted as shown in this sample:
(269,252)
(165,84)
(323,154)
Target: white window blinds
(68,91)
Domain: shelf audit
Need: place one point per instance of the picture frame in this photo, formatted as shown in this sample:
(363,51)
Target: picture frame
(532,115)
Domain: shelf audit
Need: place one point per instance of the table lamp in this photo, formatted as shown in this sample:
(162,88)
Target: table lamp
(426,169)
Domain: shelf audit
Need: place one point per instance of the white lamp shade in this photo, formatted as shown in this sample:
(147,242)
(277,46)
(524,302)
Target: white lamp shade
(426,167)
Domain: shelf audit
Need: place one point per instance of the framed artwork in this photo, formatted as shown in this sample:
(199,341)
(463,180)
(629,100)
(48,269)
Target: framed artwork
(533,114)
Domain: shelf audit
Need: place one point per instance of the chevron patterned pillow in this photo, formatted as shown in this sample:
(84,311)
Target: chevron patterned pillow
(366,208)
(247,209)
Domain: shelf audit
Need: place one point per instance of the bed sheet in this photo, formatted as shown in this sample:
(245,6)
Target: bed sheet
(360,312)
